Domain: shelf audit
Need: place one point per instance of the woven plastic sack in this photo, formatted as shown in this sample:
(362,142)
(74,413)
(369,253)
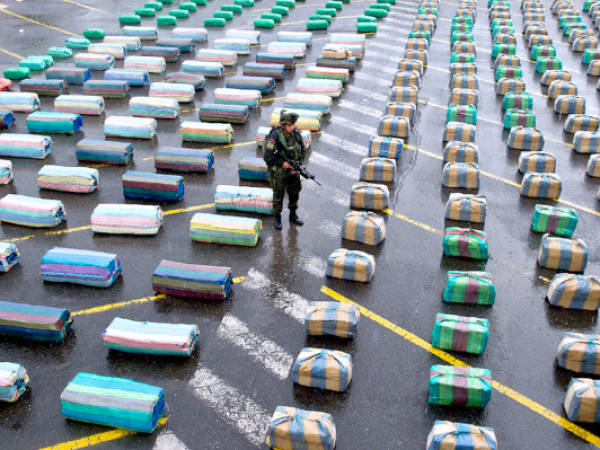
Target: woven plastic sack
(508,72)
(541,50)
(351,265)
(561,253)
(460,386)
(463,68)
(561,87)
(462,113)
(552,219)
(537,162)
(457,131)
(464,97)
(522,101)
(323,369)
(466,208)
(547,63)
(569,104)
(464,81)
(579,352)
(407,94)
(465,243)
(365,227)
(593,166)
(460,333)
(401,109)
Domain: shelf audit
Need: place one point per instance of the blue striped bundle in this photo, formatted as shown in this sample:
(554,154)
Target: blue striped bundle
(579,352)
(263,84)
(458,131)
(464,97)
(570,255)
(404,94)
(447,435)
(156,107)
(460,175)
(60,52)
(569,104)
(184,45)
(94,61)
(216,112)
(369,196)
(79,104)
(6,118)
(205,68)
(180,159)
(106,88)
(9,256)
(385,147)
(586,142)
(253,169)
(44,87)
(25,145)
(331,319)
(240,46)
(364,226)
(77,42)
(466,207)
(541,185)
(118,51)
(196,80)
(246,97)
(299,428)
(130,127)
(394,126)
(171,54)
(33,322)
(86,267)
(72,75)
(81,180)
(275,71)
(54,122)
(195,34)
(537,162)
(244,198)
(581,122)
(349,63)
(19,101)
(525,138)
(13,381)
(593,166)
(31,211)
(458,151)
(152,186)
(352,265)
(144,33)
(104,152)
(573,291)
(378,169)
(323,369)
(113,402)
(192,280)
(276,58)
(582,403)
(133,77)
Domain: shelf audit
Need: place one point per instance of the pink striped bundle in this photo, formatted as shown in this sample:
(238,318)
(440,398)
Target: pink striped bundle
(151,64)
(225,57)
(79,104)
(181,92)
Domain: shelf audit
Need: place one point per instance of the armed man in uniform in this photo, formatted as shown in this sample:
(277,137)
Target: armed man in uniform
(284,149)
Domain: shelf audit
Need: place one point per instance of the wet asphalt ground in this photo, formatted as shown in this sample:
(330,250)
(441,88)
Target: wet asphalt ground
(385,406)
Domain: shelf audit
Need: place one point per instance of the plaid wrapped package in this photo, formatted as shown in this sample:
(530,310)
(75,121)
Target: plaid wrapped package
(331,319)
(459,333)
(582,402)
(378,169)
(460,386)
(34,322)
(586,142)
(465,243)
(537,162)
(474,288)
(192,280)
(593,166)
(519,117)
(506,85)
(9,256)
(565,254)
(402,109)
(579,352)
(323,369)
(13,381)
(561,87)
(505,38)
(462,113)
(553,219)
(581,122)
(535,39)
(385,147)
(464,97)
(292,428)
(541,185)
(228,230)
(351,265)
(460,175)
(447,435)
(463,152)
(569,104)
(525,138)
(407,94)
(464,47)
(466,207)
(458,131)
(365,227)
(369,196)
(394,126)
(572,291)
(419,55)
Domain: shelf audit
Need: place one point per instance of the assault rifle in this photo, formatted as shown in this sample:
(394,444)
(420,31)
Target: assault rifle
(302,170)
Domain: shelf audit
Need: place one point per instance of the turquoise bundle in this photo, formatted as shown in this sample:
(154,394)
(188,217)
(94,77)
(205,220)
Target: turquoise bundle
(133,77)
(460,386)
(180,159)
(94,61)
(104,152)
(74,75)
(130,127)
(34,322)
(54,122)
(77,266)
(25,145)
(152,186)
(252,168)
(244,198)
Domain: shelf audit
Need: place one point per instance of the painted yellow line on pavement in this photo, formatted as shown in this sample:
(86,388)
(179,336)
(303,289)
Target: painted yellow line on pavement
(99,438)
(29,19)
(271,99)
(13,54)
(82,5)
(448,358)
(416,223)
(188,209)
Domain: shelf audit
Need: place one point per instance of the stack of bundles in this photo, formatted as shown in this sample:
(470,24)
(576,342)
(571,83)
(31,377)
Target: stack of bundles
(117,51)
(137,78)
(25,145)
(369,196)
(275,71)
(130,127)
(315,102)
(462,152)
(31,211)
(581,400)
(60,52)
(385,147)
(460,175)
(295,36)
(262,84)
(106,88)
(87,267)
(228,230)
(537,162)
(204,68)
(569,104)
(81,180)
(574,291)
(152,186)
(53,122)
(331,319)
(79,104)
(195,80)
(151,338)
(328,73)
(225,57)
(466,207)
(238,45)
(464,436)
(184,45)
(365,227)
(253,169)
(578,352)
(460,386)
(581,122)
(586,142)
(570,255)
(13,381)
(465,243)
(244,198)
(131,43)
(155,107)
(95,61)
(213,112)
(250,35)
(126,219)
(9,256)
(556,220)
(541,185)
(333,88)
(525,138)
(216,133)
(184,159)
(114,402)
(246,97)
(171,54)
(6,171)
(287,60)
(378,169)
(150,64)
(72,75)
(144,33)
(263,132)
(351,265)
(299,428)
(460,334)
(104,152)
(192,280)
(49,88)
(298,49)
(323,369)
(181,92)
(36,323)
(19,101)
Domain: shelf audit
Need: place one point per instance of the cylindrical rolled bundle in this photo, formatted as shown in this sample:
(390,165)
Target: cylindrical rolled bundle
(262,84)
(179,14)
(347,63)
(460,175)
(329,73)
(543,64)
(106,88)
(77,43)
(204,68)
(84,267)
(385,147)
(126,219)
(569,104)
(307,119)
(250,35)
(144,33)
(183,93)
(79,104)
(315,24)
(36,63)
(503,49)
(378,169)
(185,45)
(171,54)
(222,229)
(225,57)
(31,211)
(151,64)
(25,145)
(247,97)
(505,38)
(583,142)
(6,176)
(560,87)
(457,57)
(235,9)
(60,52)
(188,6)
(333,88)
(263,23)
(54,122)
(419,55)
(117,51)
(314,102)
(154,5)
(152,186)
(402,109)
(227,15)
(506,85)
(195,34)
(215,22)
(593,69)
(540,39)
(195,80)
(275,71)
(323,12)
(214,112)
(508,72)
(130,19)
(581,122)
(244,198)
(238,45)
(216,133)
(9,257)
(295,36)
(519,117)
(407,78)
(462,113)
(521,100)
(463,152)
(394,126)
(542,50)
(541,185)
(593,166)
(406,94)
(552,75)
(130,127)
(72,75)
(469,68)
(180,159)
(155,107)
(166,21)
(34,322)
(94,61)
(298,49)
(253,169)
(411,64)
(131,43)
(104,152)
(464,81)
(457,131)
(50,88)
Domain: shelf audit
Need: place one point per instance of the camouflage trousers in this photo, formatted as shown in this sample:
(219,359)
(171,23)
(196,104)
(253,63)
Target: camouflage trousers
(281,181)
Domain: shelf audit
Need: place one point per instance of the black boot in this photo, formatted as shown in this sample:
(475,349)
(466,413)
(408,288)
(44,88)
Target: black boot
(295,219)
(277,222)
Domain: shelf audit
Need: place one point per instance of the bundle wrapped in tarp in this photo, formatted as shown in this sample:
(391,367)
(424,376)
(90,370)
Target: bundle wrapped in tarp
(349,63)
(276,58)
(181,92)
(298,49)
(95,61)
(152,186)
(460,175)
(9,256)
(238,45)
(586,142)
(130,127)
(402,109)
(460,386)
(113,402)
(405,94)
(275,71)
(537,162)
(459,333)
(216,133)
(462,113)
(581,400)
(77,42)
(13,381)
(196,80)
(377,169)
(552,75)
(180,159)
(369,196)
(394,126)
(15,73)
(106,88)
(154,107)
(151,338)
(447,435)
(458,131)
(244,198)
(25,145)
(126,219)
(506,85)
(224,57)
(464,81)
(34,322)
(117,51)
(86,267)
(475,288)
(569,104)
(365,227)
(184,45)
(50,88)
(144,33)
(60,52)
(593,166)
(221,229)
(462,152)
(133,77)
(466,207)
(150,64)
(53,122)
(561,87)
(19,101)
(579,352)
(79,104)
(331,319)
(192,280)
(299,428)
(554,219)
(332,88)
(385,147)
(81,180)
(72,75)
(204,68)
(541,185)
(353,265)
(323,369)
(570,255)
(31,211)
(581,122)
(104,152)
(252,168)
(525,138)
(218,112)
(171,54)
(465,243)
(521,101)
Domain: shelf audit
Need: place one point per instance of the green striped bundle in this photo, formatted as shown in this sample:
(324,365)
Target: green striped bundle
(460,386)
(503,29)
(474,288)
(457,57)
(154,5)
(551,219)
(540,50)
(420,34)
(433,11)
(508,72)
(503,49)
(500,23)
(543,64)
(519,117)
(573,26)
(459,36)
(461,28)
(462,113)
(590,55)
(462,19)
(571,18)
(521,100)
(461,334)
(244,3)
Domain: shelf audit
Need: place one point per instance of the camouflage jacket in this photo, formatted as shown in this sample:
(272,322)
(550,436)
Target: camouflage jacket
(277,145)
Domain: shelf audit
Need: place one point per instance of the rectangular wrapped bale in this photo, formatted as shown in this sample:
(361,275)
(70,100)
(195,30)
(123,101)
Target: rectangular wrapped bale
(378,169)
(537,162)
(579,352)
(541,185)
(581,400)
(365,227)
(9,256)
(464,97)
(554,219)
(351,265)
(462,113)
(447,435)
(244,198)
(77,266)
(385,147)
(460,386)
(31,211)
(152,186)
(581,122)
(394,126)
(525,138)
(192,280)
(331,319)
(476,288)
(460,175)
(126,219)
(401,109)
(570,255)
(460,334)
(222,229)
(465,243)
(323,369)
(34,322)
(583,142)
(466,207)
(569,104)
(369,196)
(299,428)
(457,131)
